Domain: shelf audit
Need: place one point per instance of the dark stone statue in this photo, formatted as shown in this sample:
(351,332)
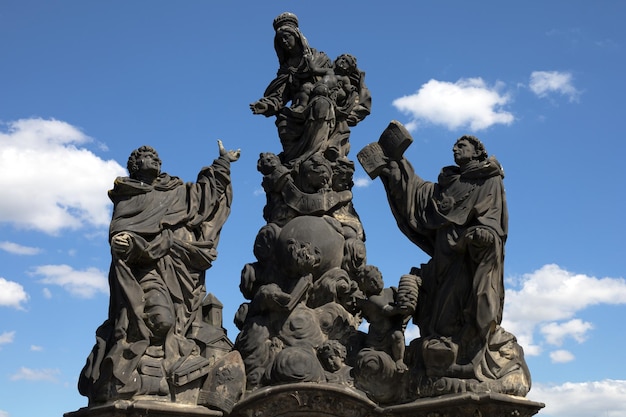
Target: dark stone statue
(310,286)
(314,100)
(301,349)
(461,222)
(162,336)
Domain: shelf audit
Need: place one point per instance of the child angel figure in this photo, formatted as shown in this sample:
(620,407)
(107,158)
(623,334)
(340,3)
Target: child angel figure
(387,317)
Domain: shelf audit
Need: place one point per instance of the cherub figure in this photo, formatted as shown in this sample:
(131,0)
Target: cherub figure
(334,83)
(332,355)
(386,318)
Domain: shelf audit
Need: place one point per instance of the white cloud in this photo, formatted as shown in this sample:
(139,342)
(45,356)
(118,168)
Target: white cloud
(18,249)
(362,182)
(467,103)
(554,333)
(583,399)
(547,297)
(35,348)
(84,284)
(542,83)
(7,337)
(4,413)
(561,356)
(12,294)
(47,293)
(49,182)
(27,374)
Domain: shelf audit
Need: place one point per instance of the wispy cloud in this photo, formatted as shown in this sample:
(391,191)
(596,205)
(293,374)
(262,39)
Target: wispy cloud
(18,249)
(7,337)
(83,284)
(549,299)
(28,374)
(35,348)
(544,83)
(12,294)
(582,399)
(561,356)
(577,329)
(47,157)
(577,38)
(468,103)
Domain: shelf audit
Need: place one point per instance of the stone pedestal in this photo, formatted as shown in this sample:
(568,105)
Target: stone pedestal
(144,408)
(467,405)
(328,400)
(306,399)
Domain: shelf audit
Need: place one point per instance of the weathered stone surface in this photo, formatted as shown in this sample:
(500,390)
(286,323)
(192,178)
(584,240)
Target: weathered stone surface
(315,400)
(162,336)
(308,286)
(311,255)
(461,222)
(144,408)
(467,405)
(329,400)
(300,351)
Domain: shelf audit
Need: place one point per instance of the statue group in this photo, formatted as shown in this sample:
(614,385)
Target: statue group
(310,288)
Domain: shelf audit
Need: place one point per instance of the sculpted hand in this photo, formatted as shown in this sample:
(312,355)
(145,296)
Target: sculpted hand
(232,156)
(121,244)
(392,172)
(389,309)
(258,107)
(481,236)
(308,57)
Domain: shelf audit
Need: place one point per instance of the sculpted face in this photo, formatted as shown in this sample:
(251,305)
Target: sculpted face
(373,283)
(333,362)
(267,163)
(316,173)
(287,40)
(149,164)
(464,152)
(343,65)
(264,242)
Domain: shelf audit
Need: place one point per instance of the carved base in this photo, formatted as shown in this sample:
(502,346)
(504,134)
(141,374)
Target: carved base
(467,405)
(326,400)
(144,408)
(314,400)
(306,400)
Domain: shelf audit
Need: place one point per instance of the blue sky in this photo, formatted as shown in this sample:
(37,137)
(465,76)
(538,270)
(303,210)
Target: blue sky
(541,83)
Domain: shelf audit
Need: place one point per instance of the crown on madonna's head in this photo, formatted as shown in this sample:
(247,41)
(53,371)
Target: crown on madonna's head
(285,19)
